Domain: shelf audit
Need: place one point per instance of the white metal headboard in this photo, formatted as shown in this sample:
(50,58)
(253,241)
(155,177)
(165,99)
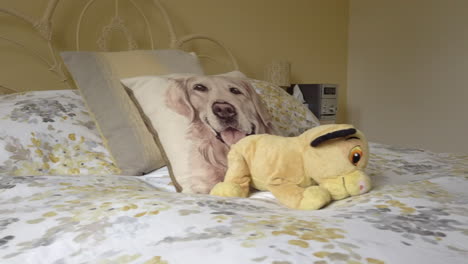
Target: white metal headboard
(44,28)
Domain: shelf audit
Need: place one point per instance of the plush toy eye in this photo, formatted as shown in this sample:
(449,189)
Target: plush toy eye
(355,155)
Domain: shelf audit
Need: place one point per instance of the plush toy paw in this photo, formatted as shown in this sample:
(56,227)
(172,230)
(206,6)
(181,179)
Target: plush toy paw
(314,197)
(228,189)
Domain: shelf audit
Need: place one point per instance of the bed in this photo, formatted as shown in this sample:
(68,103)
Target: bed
(416,212)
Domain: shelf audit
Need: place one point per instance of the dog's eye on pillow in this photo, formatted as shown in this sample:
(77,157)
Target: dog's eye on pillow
(200,87)
(235,90)
(196,128)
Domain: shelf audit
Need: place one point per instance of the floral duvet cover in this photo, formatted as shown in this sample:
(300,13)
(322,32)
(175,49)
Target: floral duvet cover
(416,213)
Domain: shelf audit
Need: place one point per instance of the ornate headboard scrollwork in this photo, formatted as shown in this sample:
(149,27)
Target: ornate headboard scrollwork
(43,27)
(178,45)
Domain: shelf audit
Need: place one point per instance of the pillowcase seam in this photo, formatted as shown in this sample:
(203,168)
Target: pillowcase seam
(154,133)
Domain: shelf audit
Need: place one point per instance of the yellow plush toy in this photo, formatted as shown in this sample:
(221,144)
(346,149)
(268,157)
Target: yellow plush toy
(305,172)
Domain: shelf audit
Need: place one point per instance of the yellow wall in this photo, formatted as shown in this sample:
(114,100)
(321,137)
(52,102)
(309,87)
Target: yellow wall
(311,34)
(407,72)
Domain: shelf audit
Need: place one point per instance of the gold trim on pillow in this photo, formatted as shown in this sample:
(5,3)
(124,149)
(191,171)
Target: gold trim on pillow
(153,131)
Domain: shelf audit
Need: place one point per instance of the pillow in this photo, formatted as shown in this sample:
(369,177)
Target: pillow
(50,133)
(289,116)
(98,78)
(195,119)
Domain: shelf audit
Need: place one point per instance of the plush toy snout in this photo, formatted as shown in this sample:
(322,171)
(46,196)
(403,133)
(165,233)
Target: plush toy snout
(354,183)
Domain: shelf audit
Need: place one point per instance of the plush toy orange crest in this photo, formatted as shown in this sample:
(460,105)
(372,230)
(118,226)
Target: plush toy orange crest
(305,172)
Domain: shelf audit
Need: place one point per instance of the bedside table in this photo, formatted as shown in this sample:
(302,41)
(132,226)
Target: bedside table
(321,99)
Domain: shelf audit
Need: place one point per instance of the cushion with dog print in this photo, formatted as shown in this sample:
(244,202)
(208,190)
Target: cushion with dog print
(195,119)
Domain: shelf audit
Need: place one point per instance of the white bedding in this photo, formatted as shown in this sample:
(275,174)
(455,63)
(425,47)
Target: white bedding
(417,213)
(160,179)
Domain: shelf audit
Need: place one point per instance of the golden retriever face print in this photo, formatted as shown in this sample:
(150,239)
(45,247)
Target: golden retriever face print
(221,111)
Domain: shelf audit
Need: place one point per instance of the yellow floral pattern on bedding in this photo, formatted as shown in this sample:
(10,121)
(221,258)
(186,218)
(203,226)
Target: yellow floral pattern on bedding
(416,213)
(50,133)
(290,117)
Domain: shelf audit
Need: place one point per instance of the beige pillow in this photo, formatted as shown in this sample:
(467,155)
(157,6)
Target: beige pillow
(196,119)
(98,78)
(289,116)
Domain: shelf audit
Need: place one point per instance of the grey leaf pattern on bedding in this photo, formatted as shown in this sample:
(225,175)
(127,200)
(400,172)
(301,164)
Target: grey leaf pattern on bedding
(46,109)
(50,133)
(416,213)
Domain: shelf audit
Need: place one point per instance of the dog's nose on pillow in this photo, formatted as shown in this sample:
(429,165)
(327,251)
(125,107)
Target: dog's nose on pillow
(224,111)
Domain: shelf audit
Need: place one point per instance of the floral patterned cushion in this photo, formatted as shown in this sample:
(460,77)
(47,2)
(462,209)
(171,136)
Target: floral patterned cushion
(50,133)
(290,117)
